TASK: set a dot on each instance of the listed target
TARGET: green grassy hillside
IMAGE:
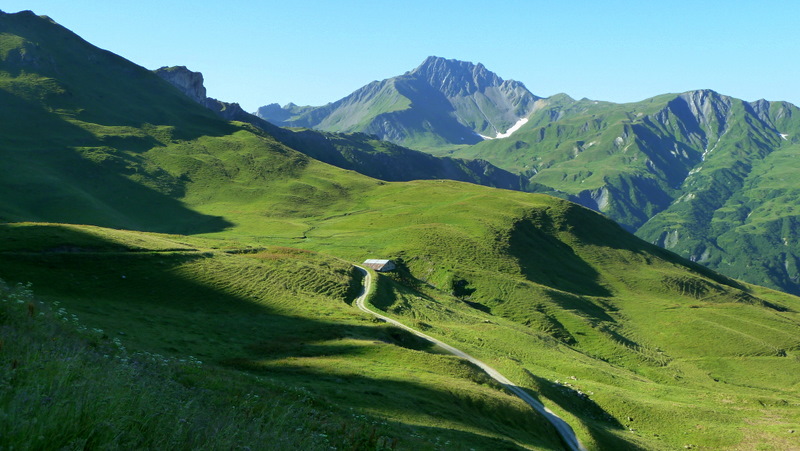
(528, 292)
(547, 291)
(277, 313)
(699, 173)
(635, 347)
(71, 140)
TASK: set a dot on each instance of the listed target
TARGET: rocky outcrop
(190, 83)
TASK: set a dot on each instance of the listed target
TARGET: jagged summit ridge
(441, 102)
(708, 107)
(453, 77)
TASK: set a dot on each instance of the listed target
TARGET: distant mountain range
(700, 173)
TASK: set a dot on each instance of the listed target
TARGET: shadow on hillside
(675, 168)
(302, 341)
(389, 162)
(427, 98)
(53, 182)
(600, 423)
(546, 260)
(152, 302)
(395, 289)
(52, 238)
(575, 303)
(592, 228)
(420, 402)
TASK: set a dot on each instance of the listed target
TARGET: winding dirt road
(567, 434)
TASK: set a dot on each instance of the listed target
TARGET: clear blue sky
(313, 52)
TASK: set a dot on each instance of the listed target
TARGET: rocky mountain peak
(762, 109)
(442, 100)
(706, 107)
(769, 112)
(453, 77)
(703, 96)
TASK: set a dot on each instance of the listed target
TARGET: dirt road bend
(567, 434)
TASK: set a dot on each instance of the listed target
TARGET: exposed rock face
(708, 107)
(190, 83)
(596, 199)
(455, 78)
(228, 111)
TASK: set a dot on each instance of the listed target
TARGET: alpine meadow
(177, 273)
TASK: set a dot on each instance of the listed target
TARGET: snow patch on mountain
(508, 132)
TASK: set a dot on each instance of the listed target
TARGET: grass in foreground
(275, 317)
(67, 386)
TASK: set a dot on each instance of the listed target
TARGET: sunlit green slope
(549, 291)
